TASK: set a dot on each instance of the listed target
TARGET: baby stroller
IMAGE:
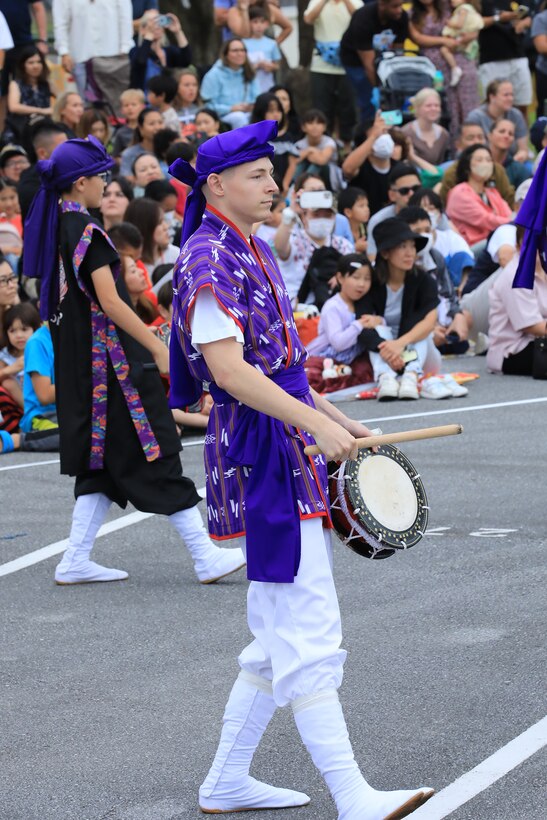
(403, 76)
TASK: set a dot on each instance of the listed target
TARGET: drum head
(388, 495)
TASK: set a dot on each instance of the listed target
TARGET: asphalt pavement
(112, 695)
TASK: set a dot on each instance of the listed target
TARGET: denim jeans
(363, 91)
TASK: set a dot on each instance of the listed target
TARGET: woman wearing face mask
(475, 207)
(370, 162)
(302, 231)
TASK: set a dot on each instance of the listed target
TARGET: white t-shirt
(504, 235)
(6, 40)
(210, 323)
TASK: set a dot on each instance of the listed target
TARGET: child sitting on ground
(353, 204)
(318, 152)
(161, 91)
(20, 322)
(466, 19)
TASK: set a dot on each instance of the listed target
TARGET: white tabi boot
(211, 563)
(322, 727)
(228, 787)
(75, 566)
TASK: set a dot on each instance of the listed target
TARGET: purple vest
(248, 286)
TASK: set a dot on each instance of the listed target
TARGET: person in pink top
(517, 317)
(474, 206)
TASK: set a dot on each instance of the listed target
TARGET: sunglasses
(407, 189)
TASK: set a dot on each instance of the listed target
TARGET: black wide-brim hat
(392, 232)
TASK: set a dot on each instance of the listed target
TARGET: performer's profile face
(248, 189)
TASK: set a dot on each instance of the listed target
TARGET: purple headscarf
(216, 155)
(68, 162)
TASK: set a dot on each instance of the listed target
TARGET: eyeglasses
(17, 163)
(7, 280)
(407, 189)
(105, 177)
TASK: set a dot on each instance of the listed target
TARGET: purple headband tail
(68, 162)
(532, 215)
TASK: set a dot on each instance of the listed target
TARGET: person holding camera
(154, 54)
(308, 224)
(86, 31)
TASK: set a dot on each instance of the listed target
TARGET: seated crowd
(396, 225)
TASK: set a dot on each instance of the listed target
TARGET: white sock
(88, 515)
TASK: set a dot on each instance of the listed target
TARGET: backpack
(322, 267)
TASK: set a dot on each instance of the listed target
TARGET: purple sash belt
(271, 509)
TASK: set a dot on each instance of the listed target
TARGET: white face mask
(435, 218)
(383, 147)
(321, 227)
(483, 169)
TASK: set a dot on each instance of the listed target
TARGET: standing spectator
(162, 90)
(263, 51)
(86, 32)
(29, 93)
(6, 41)
(465, 20)
(539, 36)
(153, 54)
(429, 139)
(330, 88)
(221, 10)
(370, 162)
(229, 87)
(473, 205)
(428, 18)
(68, 111)
(499, 103)
(149, 122)
(517, 317)
(131, 103)
(238, 18)
(140, 7)
(500, 140)
(379, 26)
(17, 14)
(502, 49)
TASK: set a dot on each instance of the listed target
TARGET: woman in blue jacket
(229, 87)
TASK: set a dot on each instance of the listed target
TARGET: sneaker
(482, 344)
(455, 76)
(433, 388)
(408, 389)
(458, 390)
(388, 387)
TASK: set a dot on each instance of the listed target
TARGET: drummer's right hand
(335, 442)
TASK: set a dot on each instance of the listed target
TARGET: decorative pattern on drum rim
(394, 538)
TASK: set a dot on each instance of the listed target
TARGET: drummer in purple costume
(117, 435)
(234, 327)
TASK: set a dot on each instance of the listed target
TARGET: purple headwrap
(532, 215)
(68, 162)
(216, 155)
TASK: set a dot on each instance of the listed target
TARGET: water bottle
(438, 81)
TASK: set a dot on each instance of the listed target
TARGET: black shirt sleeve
(99, 254)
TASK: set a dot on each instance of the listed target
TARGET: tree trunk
(198, 25)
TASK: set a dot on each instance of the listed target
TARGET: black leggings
(520, 364)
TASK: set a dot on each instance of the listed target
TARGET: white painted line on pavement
(199, 442)
(469, 785)
(29, 464)
(59, 546)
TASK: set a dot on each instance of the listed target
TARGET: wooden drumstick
(395, 438)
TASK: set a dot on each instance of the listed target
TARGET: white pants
(428, 361)
(296, 627)
(478, 304)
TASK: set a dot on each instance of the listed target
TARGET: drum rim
(398, 539)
